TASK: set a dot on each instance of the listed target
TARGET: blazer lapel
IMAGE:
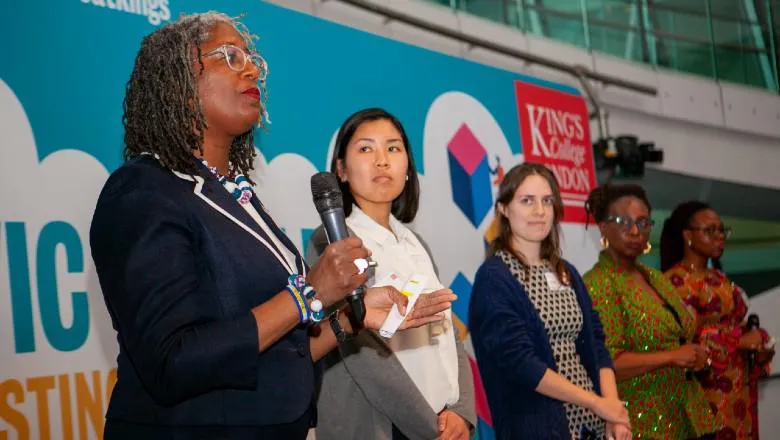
(208, 189)
(214, 191)
(299, 263)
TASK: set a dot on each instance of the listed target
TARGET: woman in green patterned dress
(648, 328)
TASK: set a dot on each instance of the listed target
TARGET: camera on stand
(625, 156)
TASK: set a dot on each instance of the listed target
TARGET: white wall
(706, 129)
(769, 390)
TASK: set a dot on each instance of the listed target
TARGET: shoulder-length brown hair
(551, 245)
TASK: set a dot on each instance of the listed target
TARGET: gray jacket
(365, 389)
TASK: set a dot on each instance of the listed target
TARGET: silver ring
(362, 264)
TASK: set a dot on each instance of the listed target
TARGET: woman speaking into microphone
(218, 317)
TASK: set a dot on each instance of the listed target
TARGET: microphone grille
(326, 192)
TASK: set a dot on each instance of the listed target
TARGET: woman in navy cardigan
(538, 342)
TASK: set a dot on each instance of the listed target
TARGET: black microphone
(752, 324)
(327, 199)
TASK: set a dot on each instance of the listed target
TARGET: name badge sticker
(552, 281)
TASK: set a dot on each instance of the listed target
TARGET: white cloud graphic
(456, 245)
(283, 187)
(63, 187)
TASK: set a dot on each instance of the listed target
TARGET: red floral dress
(721, 309)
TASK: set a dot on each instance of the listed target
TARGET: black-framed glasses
(643, 224)
(712, 230)
(236, 59)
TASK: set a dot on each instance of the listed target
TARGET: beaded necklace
(238, 186)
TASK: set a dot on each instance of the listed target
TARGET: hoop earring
(604, 243)
(647, 248)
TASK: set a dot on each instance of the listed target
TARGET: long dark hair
(672, 241)
(162, 109)
(404, 206)
(551, 245)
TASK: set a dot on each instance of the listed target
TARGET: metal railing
(726, 40)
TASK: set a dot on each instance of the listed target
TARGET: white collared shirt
(428, 354)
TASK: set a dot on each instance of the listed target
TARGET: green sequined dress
(663, 404)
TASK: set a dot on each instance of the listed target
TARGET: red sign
(555, 131)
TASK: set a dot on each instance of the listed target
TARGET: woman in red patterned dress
(692, 237)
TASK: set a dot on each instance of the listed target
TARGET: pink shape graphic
(479, 394)
(466, 149)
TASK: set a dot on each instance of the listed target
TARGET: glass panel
(617, 28)
(560, 20)
(495, 10)
(514, 14)
(623, 43)
(737, 54)
(775, 9)
(675, 34)
(439, 2)
(771, 14)
(682, 37)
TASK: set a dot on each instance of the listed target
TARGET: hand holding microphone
(342, 270)
(335, 275)
(330, 205)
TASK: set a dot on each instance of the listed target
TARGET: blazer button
(302, 350)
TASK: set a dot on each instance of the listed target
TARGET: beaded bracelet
(302, 293)
(300, 303)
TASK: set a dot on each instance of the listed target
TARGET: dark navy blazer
(513, 353)
(181, 266)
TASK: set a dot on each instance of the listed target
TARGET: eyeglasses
(712, 230)
(236, 59)
(643, 224)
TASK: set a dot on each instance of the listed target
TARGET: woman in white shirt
(417, 384)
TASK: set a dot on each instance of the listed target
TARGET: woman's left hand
(453, 427)
(703, 359)
(617, 431)
(428, 308)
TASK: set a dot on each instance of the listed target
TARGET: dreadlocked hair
(601, 198)
(672, 241)
(162, 110)
(551, 245)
